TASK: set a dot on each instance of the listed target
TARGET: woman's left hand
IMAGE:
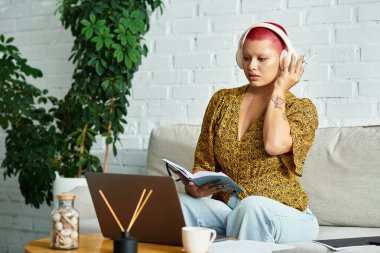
(289, 74)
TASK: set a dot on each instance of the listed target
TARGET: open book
(204, 177)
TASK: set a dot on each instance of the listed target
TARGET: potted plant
(107, 51)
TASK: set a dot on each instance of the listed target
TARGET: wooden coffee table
(96, 243)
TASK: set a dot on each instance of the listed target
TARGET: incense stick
(136, 212)
(111, 210)
(137, 207)
(134, 218)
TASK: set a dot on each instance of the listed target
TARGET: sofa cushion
(342, 174)
(176, 143)
(332, 232)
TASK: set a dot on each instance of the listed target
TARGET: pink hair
(262, 33)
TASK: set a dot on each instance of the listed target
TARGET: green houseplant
(31, 135)
(107, 51)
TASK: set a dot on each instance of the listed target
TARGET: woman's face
(261, 62)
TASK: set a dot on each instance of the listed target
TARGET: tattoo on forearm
(278, 102)
(284, 116)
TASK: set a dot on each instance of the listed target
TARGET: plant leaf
(89, 32)
(134, 14)
(125, 13)
(131, 40)
(85, 22)
(108, 42)
(99, 44)
(105, 84)
(91, 136)
(98, 68)
(114, 149)
(127, 62)
(80, 139)
(119, 55)
(9, 40)
(92, 18)
(81, 162)
(123, 39)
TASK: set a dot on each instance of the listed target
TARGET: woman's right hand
(199, 191)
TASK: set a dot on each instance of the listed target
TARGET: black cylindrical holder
(125, 244)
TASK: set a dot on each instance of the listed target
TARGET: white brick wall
(330, 15)
(219, 7)
(192, 54)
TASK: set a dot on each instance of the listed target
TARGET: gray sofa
(341, 176)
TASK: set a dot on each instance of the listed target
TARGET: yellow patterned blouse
(245, 161)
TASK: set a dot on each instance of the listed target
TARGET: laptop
(160, 221)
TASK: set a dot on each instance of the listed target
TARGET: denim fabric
(233, 201)
(254, 218)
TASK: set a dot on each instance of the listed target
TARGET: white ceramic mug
(197, 239)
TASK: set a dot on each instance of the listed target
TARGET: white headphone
(285, 52)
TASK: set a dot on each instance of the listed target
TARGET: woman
(259, 135)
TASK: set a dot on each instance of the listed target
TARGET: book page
(177, 167)
(208, 173)
(203, 177)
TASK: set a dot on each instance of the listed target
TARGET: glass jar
(64, 223)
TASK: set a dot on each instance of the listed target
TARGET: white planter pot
(62, 184)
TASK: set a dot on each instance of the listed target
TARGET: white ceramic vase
(63, 184)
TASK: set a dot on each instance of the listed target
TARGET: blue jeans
(254, 218)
